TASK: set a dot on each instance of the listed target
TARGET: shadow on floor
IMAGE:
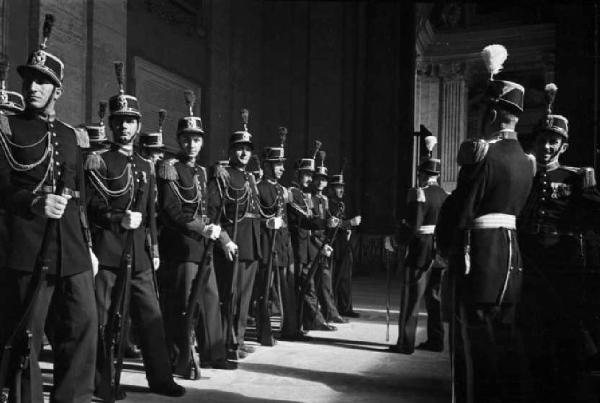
(351, 344)
(197, 395)
(359, 382)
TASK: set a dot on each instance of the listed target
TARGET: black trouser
(342, 280)
(487, 354)
(433, 304)
(240, 288)
(289, 291)
(325, 290)
(69, 301)
(146, 317)
(558, 316)
(180, 278)
(312, 316)
(414, 282)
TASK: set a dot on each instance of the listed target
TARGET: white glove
(231, 249)
(95, 262)
(355, 222)
(333, 222)
(387, 244)
(156, 262)
(131, 219)
(50, 205)
(211, 231)
(327, 250)
(274, 222)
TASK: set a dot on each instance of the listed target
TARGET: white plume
(430, 142)
(494, 57)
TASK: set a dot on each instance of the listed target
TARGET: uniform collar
(548, 167)
(505, 134)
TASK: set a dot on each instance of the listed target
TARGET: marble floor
(349, 365)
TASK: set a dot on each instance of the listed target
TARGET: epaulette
(81, 134)
(533, 162)
(472, 152)
(415, 195)
(167, 171)
(222, 174)
(588, 177)
(5, 126)
(94, 162)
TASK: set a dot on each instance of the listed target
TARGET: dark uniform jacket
(69, 248)
(272, 198)
(107, 212)
(498, 180)
(562, 208)
(182, 201)
(303, 222)
(238, 188)
(423, 206)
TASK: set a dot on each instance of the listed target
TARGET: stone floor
(350, 365)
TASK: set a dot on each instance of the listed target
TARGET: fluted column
(453, 120)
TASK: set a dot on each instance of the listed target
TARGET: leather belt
(548, 229)
(426, 230)
(70, 192)
(494, 221)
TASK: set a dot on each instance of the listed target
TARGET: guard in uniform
(182, 185)
(11, 102)
(423, 208)
(476, 230)
(44, 154)
(559, 306)
(302, 222)
(115, 186)
(237, 261)
(323, 280)
(275, 241)
(342, 261)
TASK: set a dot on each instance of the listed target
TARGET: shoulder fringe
(588, 177)
(166, 170)
(415, 195)
(94, 162)
(533, 162)
(83, 139)
(472, 152)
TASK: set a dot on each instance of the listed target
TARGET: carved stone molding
(452, 70)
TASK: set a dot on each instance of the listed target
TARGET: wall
(338, 72)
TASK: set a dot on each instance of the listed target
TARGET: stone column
(453, 120)
(427, 102)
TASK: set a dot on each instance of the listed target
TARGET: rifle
(20, 340)
(111, 337)
(388, 270)
(188, 364)
(311, 273)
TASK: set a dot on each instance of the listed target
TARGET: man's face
(124, 128)
(305, 179)
(190, 144)
(278, 170)
(156, 156)
(548, 147)
(39, 92)
(320, 183)
(240, 155)
(339, 191)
